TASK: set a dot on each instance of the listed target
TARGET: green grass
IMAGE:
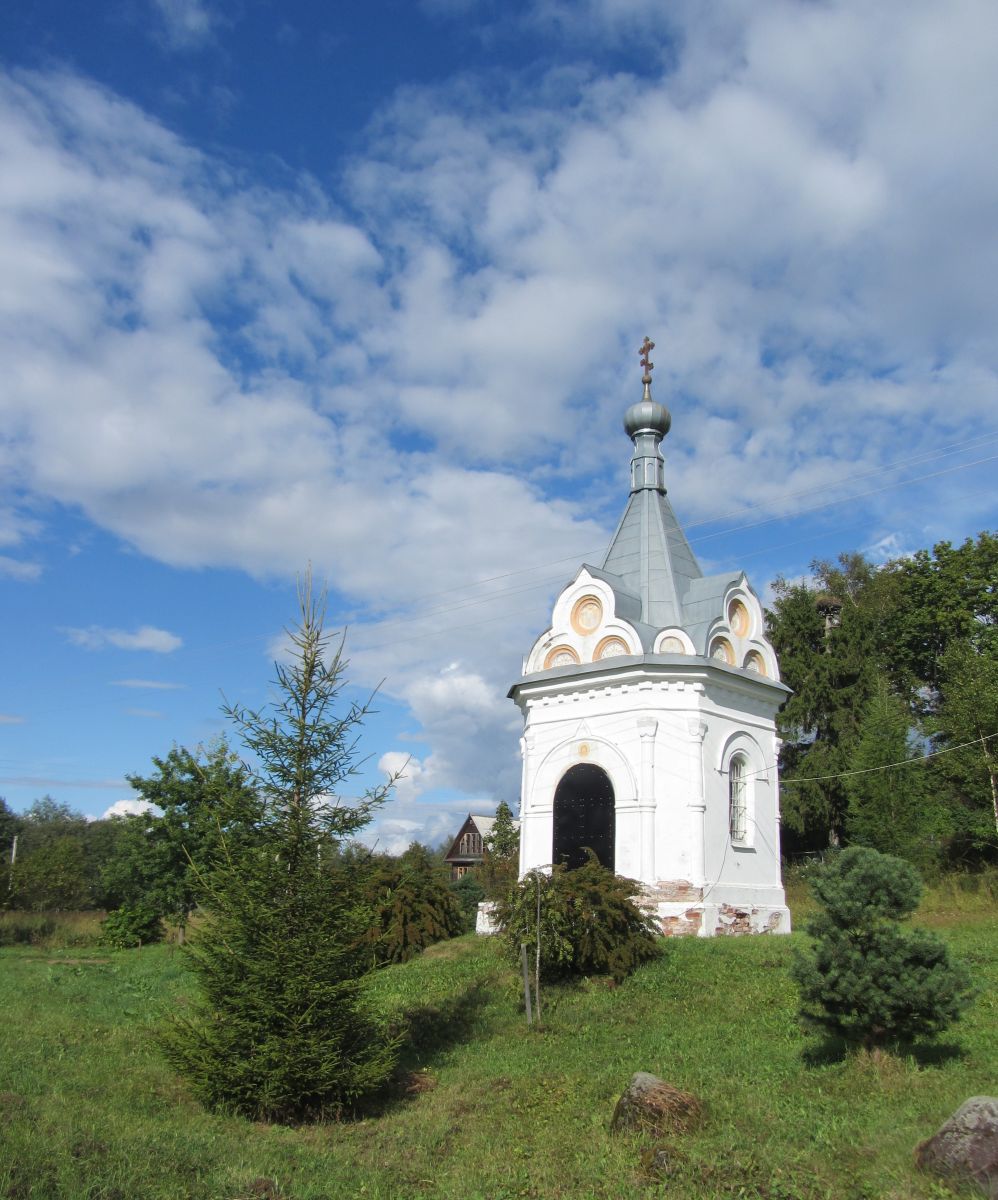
(484, 1107)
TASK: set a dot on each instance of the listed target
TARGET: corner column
(697, 806)
(647, 728)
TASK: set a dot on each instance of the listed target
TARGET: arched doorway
(583, 816)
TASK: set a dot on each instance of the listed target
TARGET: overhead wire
(503, 593)
(904, 762)
(925, 456)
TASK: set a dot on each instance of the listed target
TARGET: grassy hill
(485, 1108)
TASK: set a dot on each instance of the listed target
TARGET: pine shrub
(589, 922)
(869, 980)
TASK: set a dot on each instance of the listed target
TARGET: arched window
(737, 798)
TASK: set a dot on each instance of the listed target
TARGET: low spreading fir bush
(587, 919)
(869, 980)
(413, 906)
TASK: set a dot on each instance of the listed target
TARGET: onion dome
(647, 416)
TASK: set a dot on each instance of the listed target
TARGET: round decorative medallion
(672, 645)
(755, 662)
(560, 656)
(611, 647)
(721, 650)
(738, 618)
(587, 615)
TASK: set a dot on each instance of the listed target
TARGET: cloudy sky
(362, 285)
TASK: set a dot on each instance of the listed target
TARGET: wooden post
(526, 982)
(537, 966)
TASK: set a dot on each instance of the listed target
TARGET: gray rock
(650, 1105)
(966, 1146)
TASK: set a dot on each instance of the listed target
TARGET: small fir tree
(868, 980)
(281, 1031)
(469, 893)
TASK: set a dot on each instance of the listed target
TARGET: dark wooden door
(583, 816)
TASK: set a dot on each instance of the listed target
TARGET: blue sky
(363, 286)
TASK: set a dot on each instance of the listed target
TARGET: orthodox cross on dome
(646, 348)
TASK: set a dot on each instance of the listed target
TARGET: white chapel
(649, 720)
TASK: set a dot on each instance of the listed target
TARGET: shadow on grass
(829, 1051)
(428, 1031)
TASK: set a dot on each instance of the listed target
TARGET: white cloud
(19, 570)
(127, 808)
(185, 24)
(146, 637)
(797, 210)
(10, 719)
(410, 776)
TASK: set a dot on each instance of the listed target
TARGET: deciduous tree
(201, 799)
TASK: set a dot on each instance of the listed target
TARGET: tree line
(148, 870)
(890, 739)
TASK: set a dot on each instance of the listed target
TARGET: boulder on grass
(650, 1105)
(966, 1146)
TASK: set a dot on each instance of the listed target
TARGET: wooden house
(468, 847)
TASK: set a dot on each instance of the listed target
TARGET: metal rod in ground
(537, 965)
(526, 982)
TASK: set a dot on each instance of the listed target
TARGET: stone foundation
(679, 910)
(485, 923)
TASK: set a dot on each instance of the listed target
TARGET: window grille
(737, 808)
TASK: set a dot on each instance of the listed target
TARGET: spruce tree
(891, 807)
(869, 980)
(501, 861)
(281, 1031)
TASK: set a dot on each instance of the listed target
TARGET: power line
(925, 456)
(502, 593)
(904, 762)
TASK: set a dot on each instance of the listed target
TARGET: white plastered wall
(665, 744)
